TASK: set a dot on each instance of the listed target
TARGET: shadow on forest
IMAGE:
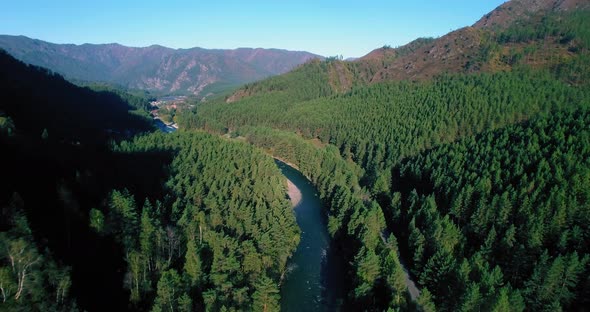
(57, 166)
(58, 184)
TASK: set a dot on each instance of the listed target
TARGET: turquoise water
(315, 278)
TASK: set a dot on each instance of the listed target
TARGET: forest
(476, 182)
(501, 216)
(188, 221)
(221, 238)
(54, 150)
(481, 178)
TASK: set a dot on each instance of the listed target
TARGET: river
(315, 278)
(314, 281)
(164, 127)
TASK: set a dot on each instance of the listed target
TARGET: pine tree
(192, 265)
(168, 291)
(266, 296)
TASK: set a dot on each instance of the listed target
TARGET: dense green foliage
(303, 83)
(480, 182)
(52, 137)
(377, 126)
(558, 42)
(570, 27)
(222, 236)
(380, 124)
(206, 226)
(504, 211)
(354, 221)
(140, 99)
(483, 177)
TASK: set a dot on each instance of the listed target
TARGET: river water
(315, 279)
(164, 127)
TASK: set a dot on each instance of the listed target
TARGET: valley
(164, 109)
(312, 277)
(447, 174)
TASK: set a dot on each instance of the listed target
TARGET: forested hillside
(39, 100)
(222, 235)
(480, 173)
(554, 38)
(501, 219)
(464, 160)
(188, 221)
(53, 137)
(380, 124)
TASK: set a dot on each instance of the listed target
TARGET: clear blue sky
(326, 27)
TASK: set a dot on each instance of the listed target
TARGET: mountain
(519, 11)
(536, 33)
(474, 156)
(86, 216)
(44, 101)
(471, 49)
(56, 136)
(162, 70)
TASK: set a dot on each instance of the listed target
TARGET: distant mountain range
(159, 69)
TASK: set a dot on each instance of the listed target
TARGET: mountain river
(315, 273)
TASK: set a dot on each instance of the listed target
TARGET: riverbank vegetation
(480, 182)
(187, 220)
(355, 221)
(382, 126)
(221, 237)
(480, 177)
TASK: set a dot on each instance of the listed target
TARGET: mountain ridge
(197, 71)
(509, 103)
(455, 51)
(512, 11)
(518, 32)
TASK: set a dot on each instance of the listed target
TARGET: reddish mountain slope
(461, 50)
(515, 10)
(487, 46)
